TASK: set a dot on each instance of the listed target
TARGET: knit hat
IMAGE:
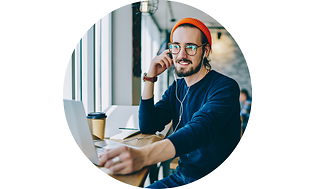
(196, 23)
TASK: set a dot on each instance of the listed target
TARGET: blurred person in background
(246, 103)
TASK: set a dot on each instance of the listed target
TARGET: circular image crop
(157, 94)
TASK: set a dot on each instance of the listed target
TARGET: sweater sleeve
(222, 103)
(152, 117)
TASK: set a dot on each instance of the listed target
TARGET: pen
(129, 128)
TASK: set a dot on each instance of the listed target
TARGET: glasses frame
(185, 48)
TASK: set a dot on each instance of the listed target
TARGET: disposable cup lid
(96, 115)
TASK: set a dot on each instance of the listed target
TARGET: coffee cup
(97, 122)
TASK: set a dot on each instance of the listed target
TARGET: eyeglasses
(190, 48)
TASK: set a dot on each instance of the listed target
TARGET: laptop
(81, 132)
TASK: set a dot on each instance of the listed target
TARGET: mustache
(183, 59)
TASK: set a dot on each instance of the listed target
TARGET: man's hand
(130, 160)
(160, 63)
(134, 159)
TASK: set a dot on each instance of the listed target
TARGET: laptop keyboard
(99, 150)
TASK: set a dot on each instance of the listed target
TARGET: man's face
(242, 97)
(186, 65)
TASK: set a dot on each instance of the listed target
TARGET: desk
(138, 178)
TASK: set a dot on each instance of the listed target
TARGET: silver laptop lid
(80, 128)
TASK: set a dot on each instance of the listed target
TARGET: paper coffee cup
(97, 122)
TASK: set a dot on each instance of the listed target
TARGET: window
(151, 41)
(88, 76)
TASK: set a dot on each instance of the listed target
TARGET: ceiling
(168, 10)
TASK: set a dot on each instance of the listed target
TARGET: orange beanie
(196, 23)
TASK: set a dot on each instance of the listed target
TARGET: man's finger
(121, 168)
(166, 51)
(112, 154)
(112, 162)
(168, 60)
(103, 153)
(162, 63)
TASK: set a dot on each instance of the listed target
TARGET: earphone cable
(181, 109)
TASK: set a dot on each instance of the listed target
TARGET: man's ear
(207, 50)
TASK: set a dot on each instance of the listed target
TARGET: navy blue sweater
(210, 127)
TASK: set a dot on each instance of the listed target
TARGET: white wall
(122, 56)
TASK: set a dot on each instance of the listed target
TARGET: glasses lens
(174, 48)
(191, 49)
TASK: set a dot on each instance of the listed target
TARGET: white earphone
(181, 109)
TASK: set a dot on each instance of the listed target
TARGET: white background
(36, 42)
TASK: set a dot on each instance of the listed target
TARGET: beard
(182, 73)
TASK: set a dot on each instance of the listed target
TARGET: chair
(166, 165)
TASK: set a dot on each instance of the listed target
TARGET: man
(203, 105)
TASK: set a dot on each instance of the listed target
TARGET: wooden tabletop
(138, 178)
